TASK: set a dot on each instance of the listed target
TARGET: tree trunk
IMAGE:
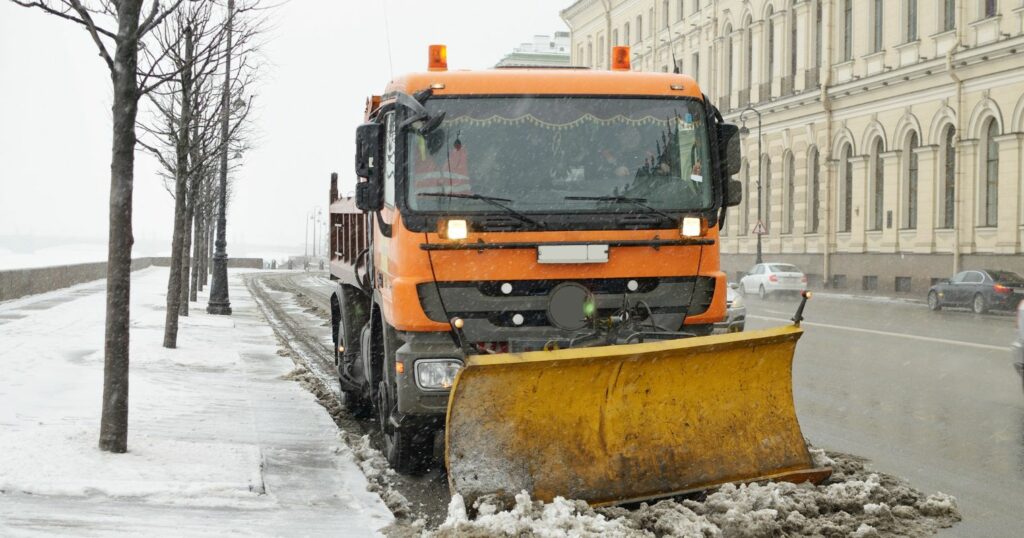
(114, 417)
(180, 201)
(197, 247)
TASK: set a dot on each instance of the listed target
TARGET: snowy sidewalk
(220, 443)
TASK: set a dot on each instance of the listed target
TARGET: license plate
(572, 254)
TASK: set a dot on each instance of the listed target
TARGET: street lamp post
(744, 131)
(219, 303)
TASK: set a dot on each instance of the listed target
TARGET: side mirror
(734, 286)
(368, 145)
(369, 196)
(369, 193)
(733, 193)
(729, 148)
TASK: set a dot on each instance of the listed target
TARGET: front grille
(486, 302)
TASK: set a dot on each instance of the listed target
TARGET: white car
(766, 279)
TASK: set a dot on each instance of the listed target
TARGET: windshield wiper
(493, 200)
(639, 202)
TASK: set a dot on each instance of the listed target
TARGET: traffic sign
(759, 228)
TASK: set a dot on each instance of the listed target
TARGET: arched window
(650, 22)
(749, 57)
(590, 55)
(847, 47)
(696, 6)
(745, 214)
(600, 53)
(727, 83)
(846, 222)
(615, 37)
(664, 14)
(767, 190)
(679, 10)
(878, 185)
(948, 177)
(789, 193)
(910, 205)
(770, 46)
(814, 186)
(639, 28)
(625, 34)
(911, 26)
(991, 174)
(580, 56)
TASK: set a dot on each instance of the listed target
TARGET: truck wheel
(355, 401)
(408, 451)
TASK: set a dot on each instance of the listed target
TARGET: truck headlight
(436, 374)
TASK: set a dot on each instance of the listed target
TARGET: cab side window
(389, 159)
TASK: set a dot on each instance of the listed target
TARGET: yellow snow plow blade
(626, 423)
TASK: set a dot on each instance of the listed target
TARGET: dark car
(980, 290)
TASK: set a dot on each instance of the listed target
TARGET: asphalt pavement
(931, 397)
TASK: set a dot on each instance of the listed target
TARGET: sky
(322, 59)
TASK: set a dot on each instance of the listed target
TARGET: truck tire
(408, 451)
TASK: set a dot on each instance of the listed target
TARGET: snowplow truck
(529, 265)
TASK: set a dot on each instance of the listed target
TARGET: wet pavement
(931, 397)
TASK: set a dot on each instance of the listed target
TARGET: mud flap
(620, 424)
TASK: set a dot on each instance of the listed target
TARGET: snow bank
(854, 502)
(216, 437)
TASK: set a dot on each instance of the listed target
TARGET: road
(928, 396)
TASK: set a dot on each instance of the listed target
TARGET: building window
(948, 178)
(600, 52)
(910, 210)
(790, 193)
(650, 22)
(696, 6)
(639, 28)
(847, 214)
(878, 12)
(948, 15)
(989, 8)
(615, 38)
(727, 86)
(580, 56)
(878, 190)
(911, 20)
(770, 47)
(817, 33)
(792, 42)
(767, 175)
(815, 186)
(847, 30)
(664, 16)
(991, 174)
(749, 58)
(625, 34)
(590, 55)
(695, 65)
(679, 10)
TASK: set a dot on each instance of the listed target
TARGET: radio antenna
(387, 36)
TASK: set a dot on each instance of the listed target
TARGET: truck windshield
(562, 154)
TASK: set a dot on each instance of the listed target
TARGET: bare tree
(121, 25)
(184, 132)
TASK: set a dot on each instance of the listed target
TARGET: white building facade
(543, 51)
(892, 137)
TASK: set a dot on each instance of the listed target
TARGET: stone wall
(16, 283)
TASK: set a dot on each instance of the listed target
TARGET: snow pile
(854, 502)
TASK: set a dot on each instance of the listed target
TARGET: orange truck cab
(521, 209)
